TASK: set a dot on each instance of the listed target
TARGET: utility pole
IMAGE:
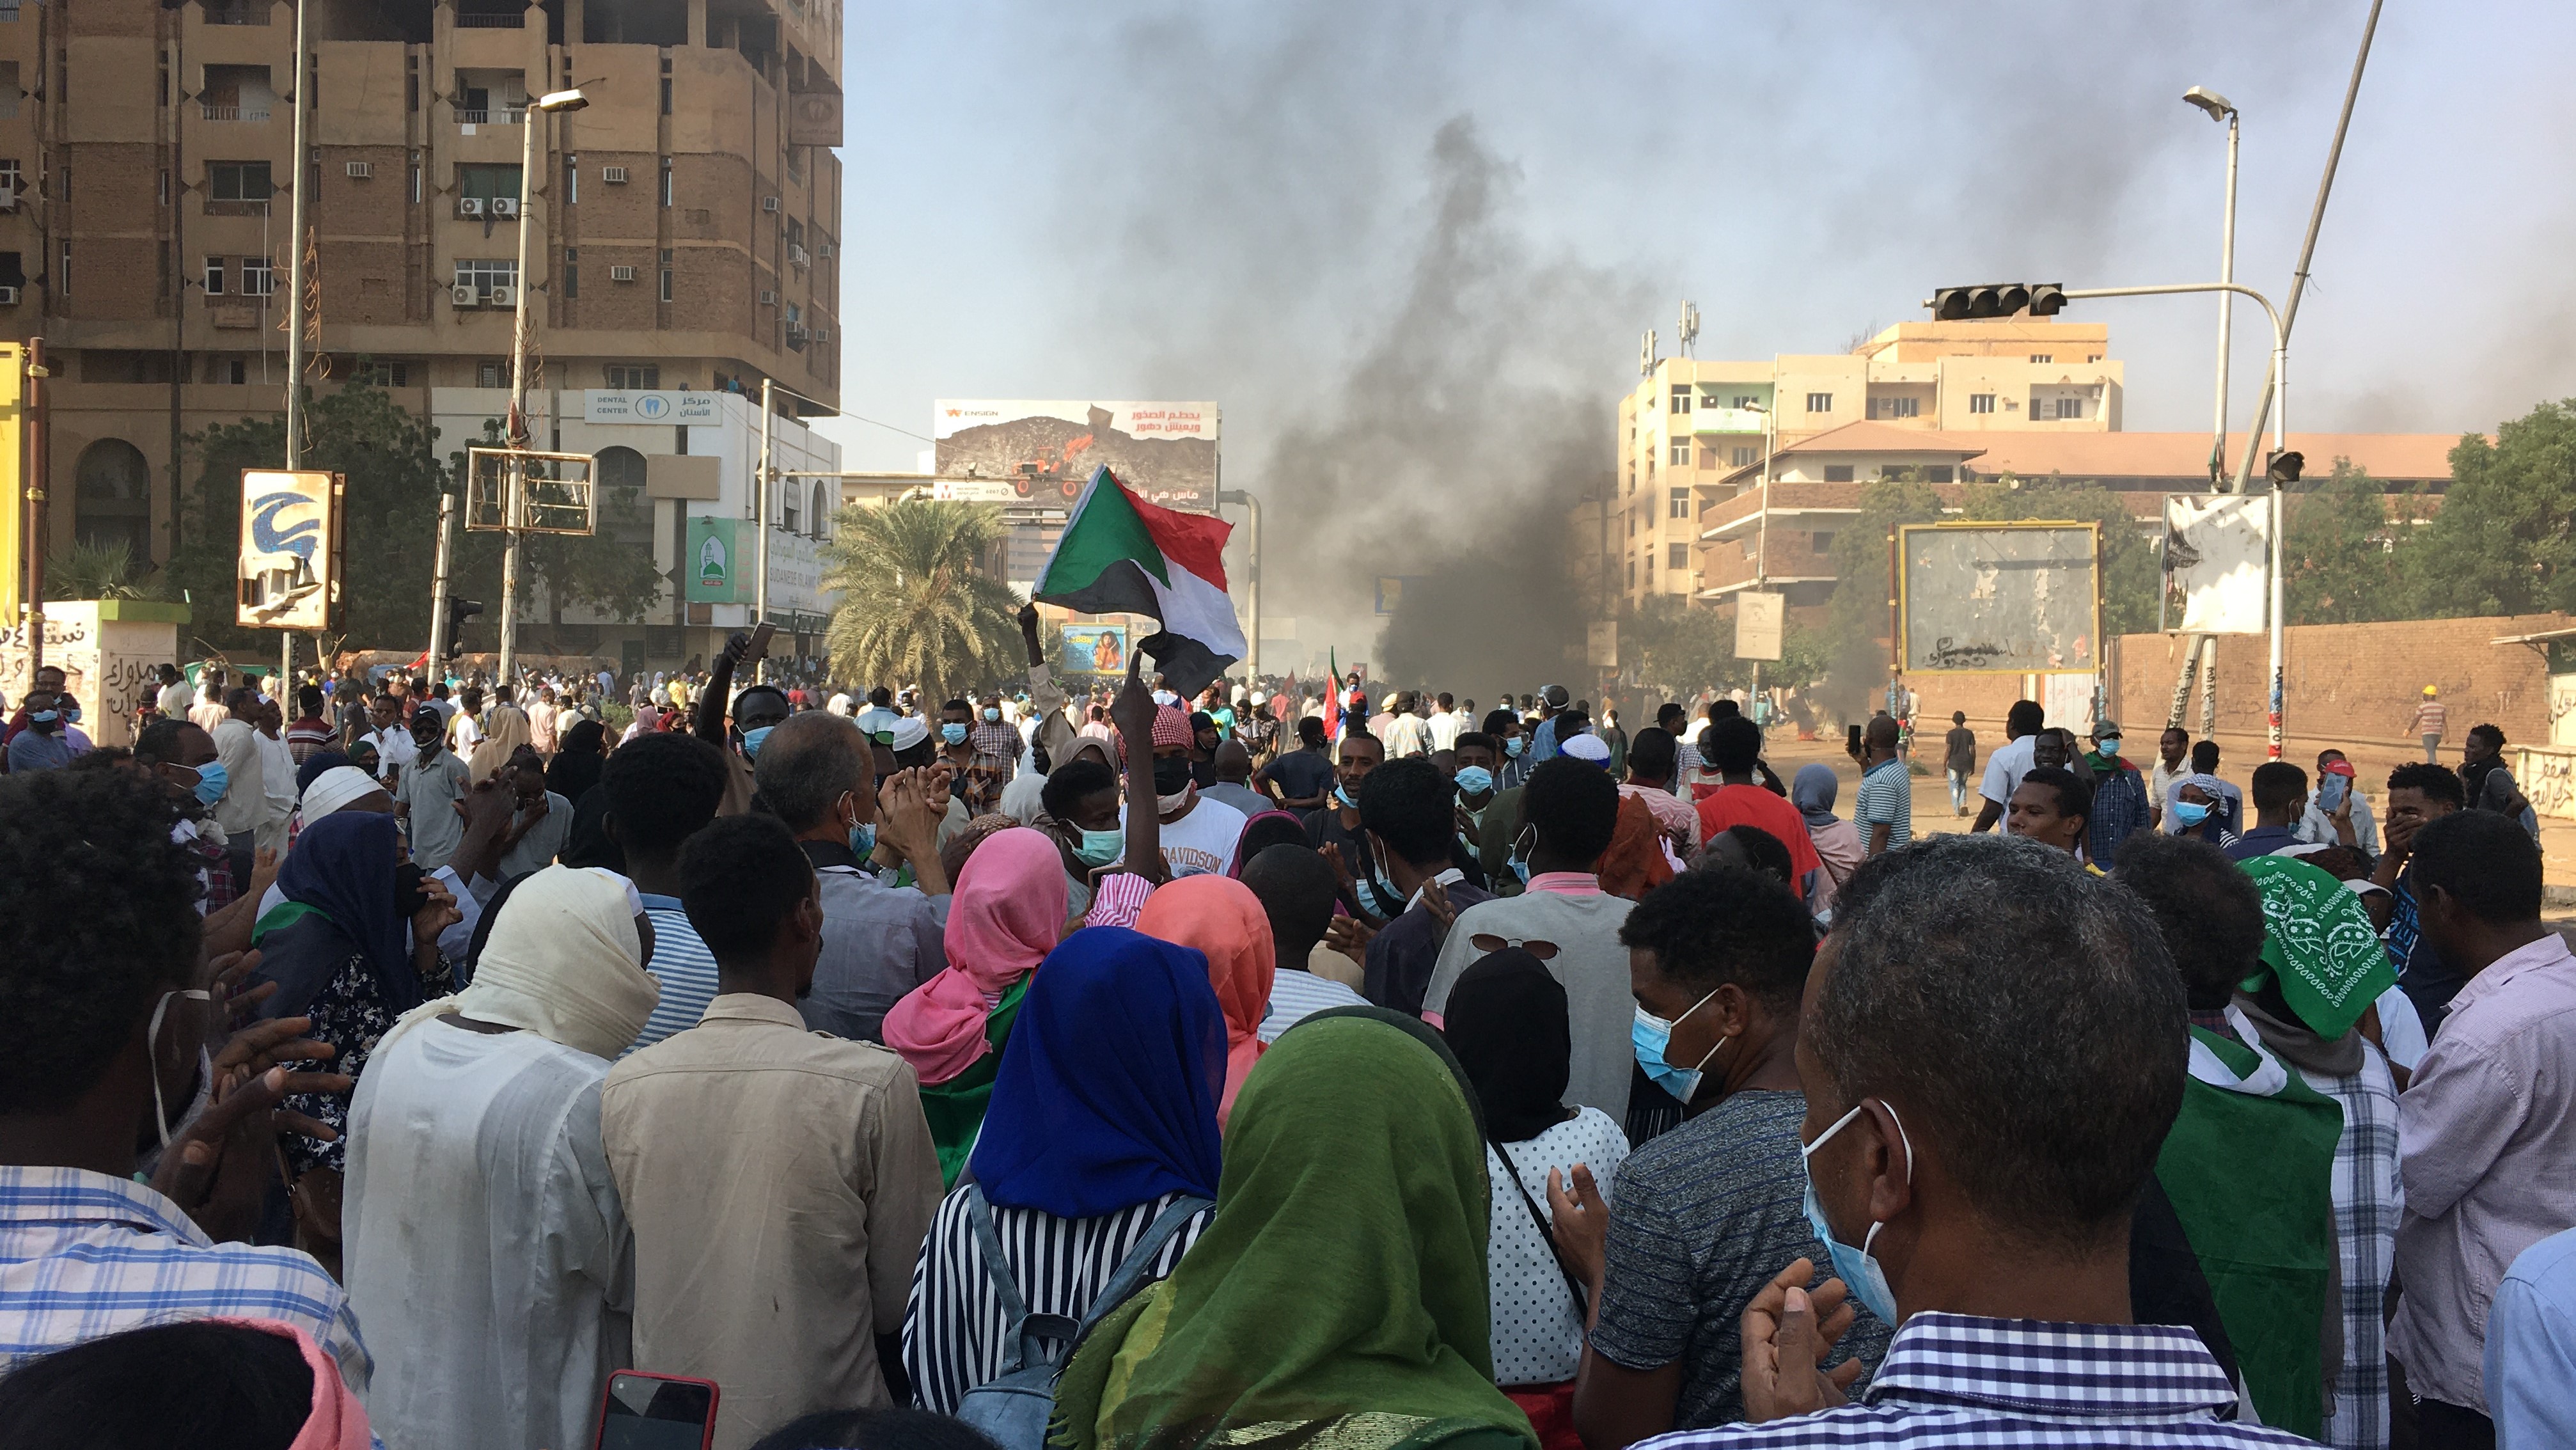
(439, 644)
(765, 482)
(514, 480)
(296, 281)
(40, 451)
(1253, 578)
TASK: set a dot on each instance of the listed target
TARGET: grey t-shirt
(430, 791)
(1700, 1219)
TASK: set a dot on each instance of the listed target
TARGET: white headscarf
(564, 961)
(335, 789)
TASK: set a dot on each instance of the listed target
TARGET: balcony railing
(214, 112)
(497, 117)
(235, 15)
(514, 20)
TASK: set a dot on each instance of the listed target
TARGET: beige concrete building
(1691, 426)
(689, 216)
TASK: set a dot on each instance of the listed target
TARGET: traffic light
(2284, 467)
(458, 611)
(1998, 299)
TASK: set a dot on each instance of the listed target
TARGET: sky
(1409, 249)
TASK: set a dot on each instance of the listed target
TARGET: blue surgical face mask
(863, 840)
(1474, 780)
(212, 780)
(1514, 746)
(2191, 813)
(2107, 747)
(1099, 848)
(1854, 1266)
(1650, 1035)
(953, 733)
(1526, 842)
(1342, 794)
(1374, 902)
(992, 712)
(71, 712)
(751, 739)
(43, 717)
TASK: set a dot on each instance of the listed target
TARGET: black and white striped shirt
(955, 1334)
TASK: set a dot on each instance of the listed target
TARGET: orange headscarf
(1223, 919)
(1635, 864)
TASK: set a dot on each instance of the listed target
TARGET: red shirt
(1751, 805)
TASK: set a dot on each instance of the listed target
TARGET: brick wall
(2360, 681)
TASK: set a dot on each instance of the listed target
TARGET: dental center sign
(649, 409)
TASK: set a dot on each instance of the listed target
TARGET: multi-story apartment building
(688, 226)
(1691, 426)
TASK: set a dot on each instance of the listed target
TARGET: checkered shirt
(2368, 1201)
(1952, 1380)
(84, 1255)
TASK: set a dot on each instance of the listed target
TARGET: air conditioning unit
(796, 256)
(796, 332)
(472, 206)
(769, 203)
(8, 198)
(505, 206)
(361, 170)
(8, 296)
(613, 175)
(822, 334)
(621, 274)
(464, 295)
(505, 296)
(768, 298)
(824, 250)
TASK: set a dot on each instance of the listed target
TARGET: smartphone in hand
(644, 1411)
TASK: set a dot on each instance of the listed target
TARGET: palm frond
(916, 607)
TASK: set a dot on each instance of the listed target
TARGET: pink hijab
(1221, 917)
(1009, 906)
(337, 1421)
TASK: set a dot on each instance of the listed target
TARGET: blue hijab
(343, 867)
(1107, 1092)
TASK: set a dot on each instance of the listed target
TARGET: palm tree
(101, 571)
(915, 607)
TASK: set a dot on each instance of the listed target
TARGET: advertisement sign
(1093, 649)
(973, 490)
(288, 574)
(649, 409)
(1390, 591)
(1759, 621)
(1166, 453)
(814, 119)
(1601, 643)
(2000, 598)
(2216, 549)
(718, 572)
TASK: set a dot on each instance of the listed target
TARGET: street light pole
(514, 479)
(1252, 504)
(296, 282)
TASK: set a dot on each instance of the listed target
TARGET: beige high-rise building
(1690, 426)
(688, 233)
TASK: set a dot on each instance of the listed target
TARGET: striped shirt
(1952, 1380)
(2431, 718)
(683, 965)
(2368, 1200)
(954, 1327)
(84, 1255)
(1296, 995)
(1886, 799)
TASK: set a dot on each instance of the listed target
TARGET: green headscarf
(2319, 944)
(1342, 1278)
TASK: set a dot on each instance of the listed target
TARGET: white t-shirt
(464, 732)
(1537, 1335)
(2005, 768)
(1446, 727)
(1201, 843)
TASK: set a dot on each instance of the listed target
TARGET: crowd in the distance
(1239, 1067)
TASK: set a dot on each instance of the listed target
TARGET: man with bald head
(817, 774)
(1234, 780)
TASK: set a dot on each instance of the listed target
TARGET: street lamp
(2219, 109)
(515, 485)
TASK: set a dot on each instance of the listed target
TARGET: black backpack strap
(1546, 1234)
(1138, 1266)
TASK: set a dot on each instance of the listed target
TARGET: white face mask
(152, 1045)
(1168, 804)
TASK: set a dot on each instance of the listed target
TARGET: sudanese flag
(1122, 555)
